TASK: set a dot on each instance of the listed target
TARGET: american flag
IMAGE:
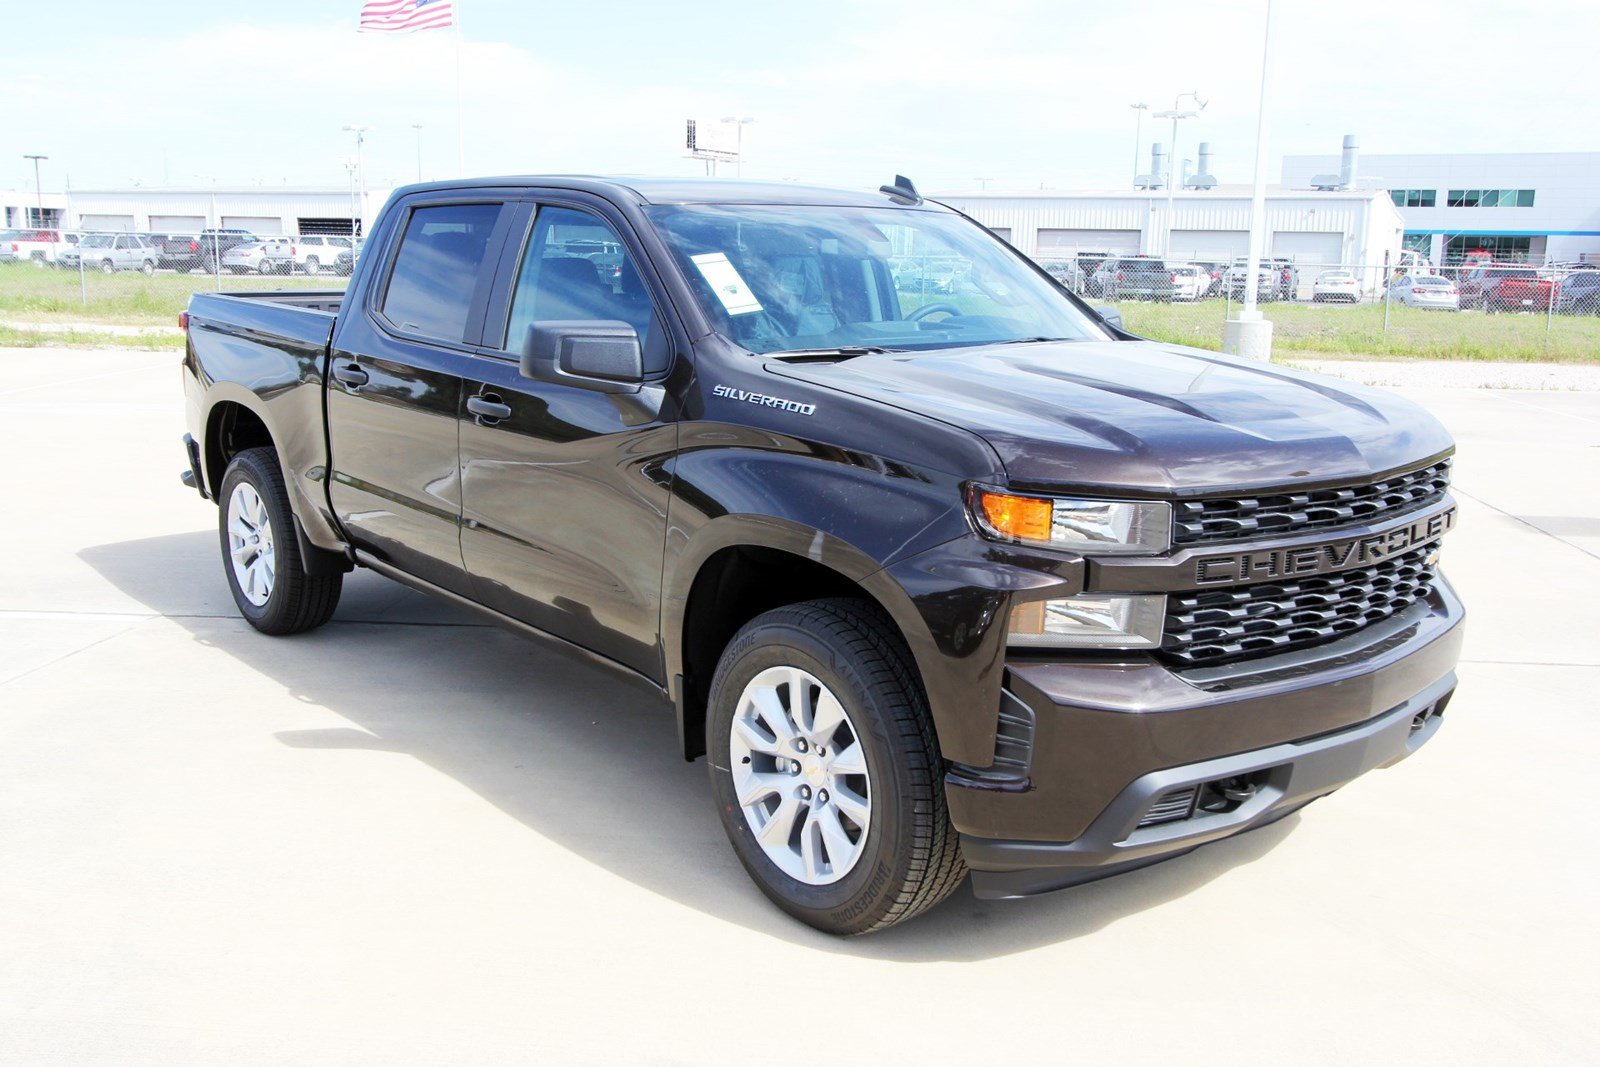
(403, 16)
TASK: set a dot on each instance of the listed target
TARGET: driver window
(575, 267)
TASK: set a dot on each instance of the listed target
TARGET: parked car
(180, 251)
(1021, 596)
(110, 252)
(1136, 278)
(1336, 286)
(344, 263)
(1285, 277)
(1431, 291)
(314, 252)
(1189, 282)
(1579, 294)
(1267, 282)
(1215, 272)
(39, 247)
(213, 243)
(1066, 273)
(1506, 288)
(263, 255)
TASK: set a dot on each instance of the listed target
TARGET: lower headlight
(1090, 620)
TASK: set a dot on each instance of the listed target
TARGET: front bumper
(1107, 742)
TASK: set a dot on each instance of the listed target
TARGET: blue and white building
(1535, 207)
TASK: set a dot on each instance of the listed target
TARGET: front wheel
(260, 554)
(825, 768)
(147, 268)
(107, 267)
(312, 265)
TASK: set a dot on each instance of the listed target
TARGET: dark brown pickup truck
(948, 581)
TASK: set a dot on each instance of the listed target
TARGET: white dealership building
(1537, 207)
(1314, 228)
(259, 209)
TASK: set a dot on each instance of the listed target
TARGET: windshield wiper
(1032, 340)
(829, 355)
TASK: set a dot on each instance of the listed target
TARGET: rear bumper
(1109, 742)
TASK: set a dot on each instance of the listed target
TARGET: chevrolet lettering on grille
(1267, 564)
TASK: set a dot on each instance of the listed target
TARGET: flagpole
(461, 111)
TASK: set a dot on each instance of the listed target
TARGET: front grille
(1231, 518)
(1216, 626)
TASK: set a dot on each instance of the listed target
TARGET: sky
(1004, 93)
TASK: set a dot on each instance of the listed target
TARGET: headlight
(1089, 620)
(1102, 527)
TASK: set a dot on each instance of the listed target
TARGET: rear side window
(435, 271)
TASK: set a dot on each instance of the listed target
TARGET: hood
(1145, 416)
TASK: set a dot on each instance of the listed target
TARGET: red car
(1506, 288)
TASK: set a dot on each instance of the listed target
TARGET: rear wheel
(147, 268)
(260, 554)
(825, 769)
(107, 267)
(313, 265)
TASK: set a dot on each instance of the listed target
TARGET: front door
(395, 389)
(564, 497)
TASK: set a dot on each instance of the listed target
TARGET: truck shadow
(580, 756)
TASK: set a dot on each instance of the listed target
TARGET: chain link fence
(1405, 306)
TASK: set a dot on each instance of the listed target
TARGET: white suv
(111, 252)
(315, 252)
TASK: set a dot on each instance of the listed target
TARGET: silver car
(110, 252)
(1425, 291)
(264, 255)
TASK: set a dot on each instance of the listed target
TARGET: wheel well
(231, 429)
(733, 587)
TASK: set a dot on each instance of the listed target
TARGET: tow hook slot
(1229, 794)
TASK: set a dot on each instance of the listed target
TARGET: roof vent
(1347, 168)
(1202, 178)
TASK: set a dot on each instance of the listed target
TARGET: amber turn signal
(1024, 518)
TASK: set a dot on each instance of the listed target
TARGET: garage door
(1209, 245)
(253, 223)
(1061, 244)
(1002, 232)
(1308, 249)
(177, 223)
(103, 223)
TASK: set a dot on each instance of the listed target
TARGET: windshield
(96, 242)
(785, 278)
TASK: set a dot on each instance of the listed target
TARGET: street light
(1138, 128)
(361, 137)
(1172, 158)
(738, 145)
(37, 194)
(418, 127)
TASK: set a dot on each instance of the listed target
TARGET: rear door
(394, 389)
(564, 490)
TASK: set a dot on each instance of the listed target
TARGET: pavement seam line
(1525, 522)
(1540, 407)
(68, 655)
(75, 381)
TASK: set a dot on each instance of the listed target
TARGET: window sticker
(725, 281)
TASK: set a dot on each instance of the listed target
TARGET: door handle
(350, 374)
(488, 408)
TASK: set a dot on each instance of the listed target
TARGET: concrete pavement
(412, 838)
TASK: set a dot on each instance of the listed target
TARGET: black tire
(297, 601)
(912, 858)
(313, 266)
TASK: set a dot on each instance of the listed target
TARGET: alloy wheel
(800, 775)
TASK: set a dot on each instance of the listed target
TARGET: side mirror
(1109, 315)
(598, 354)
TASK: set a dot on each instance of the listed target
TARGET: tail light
(1174, 279)
(1119, 275)
(14, 247)
(194, 246)
(183, 320)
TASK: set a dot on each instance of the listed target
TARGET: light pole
(38, 197)
(1138, 130)
(1249, 333)
(738, 144)
(418, 127)
(361, 137)
(1172, 157)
